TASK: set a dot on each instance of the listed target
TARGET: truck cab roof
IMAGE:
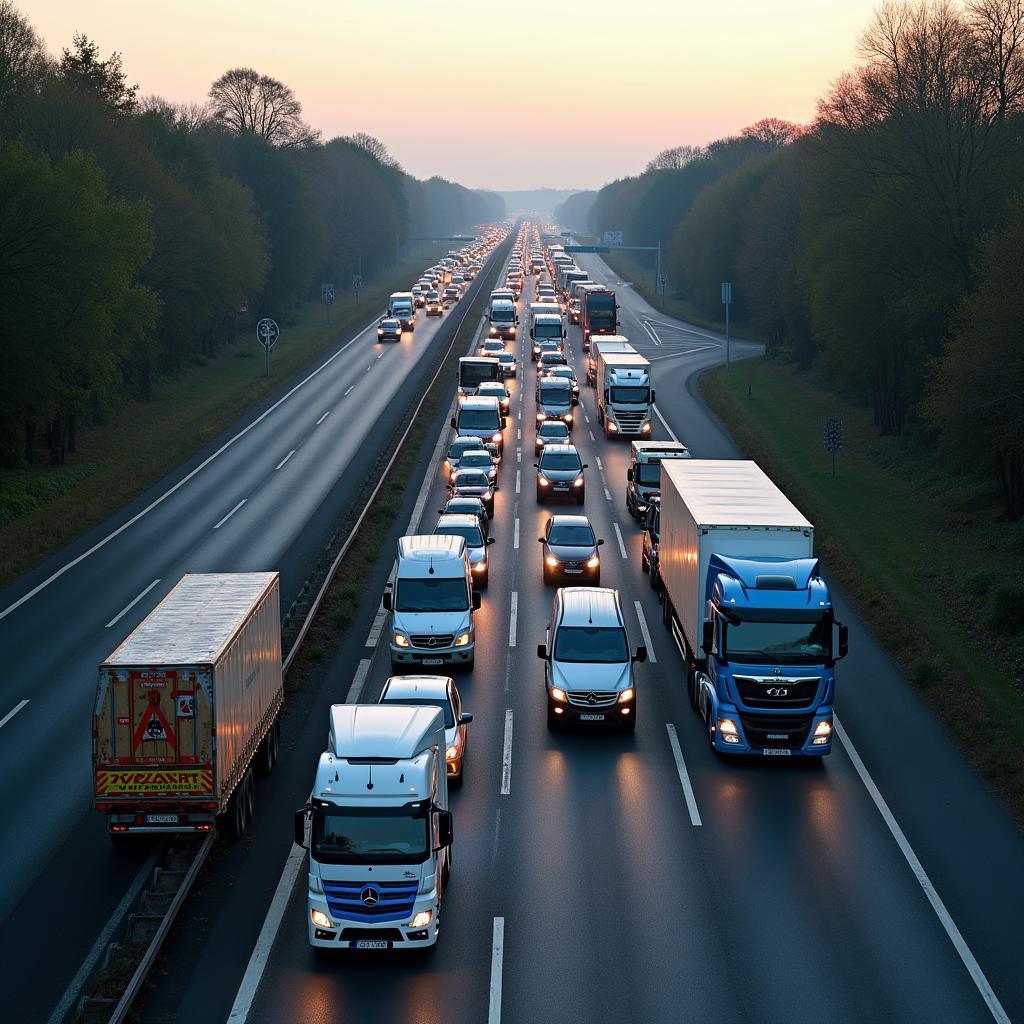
(743, 583)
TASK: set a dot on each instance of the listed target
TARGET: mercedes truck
(625, 395)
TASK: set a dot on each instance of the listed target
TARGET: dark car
(550, 432)
(560, 473)
(570, 551)
(467, 507)
(480, 458)
(389, 329)
(649, 548)
(474, 483)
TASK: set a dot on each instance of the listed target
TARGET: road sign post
(833, 439)
(327, 298)
(267, 333)
(727, 302)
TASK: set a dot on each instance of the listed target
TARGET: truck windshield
(502, 316)
(432, 595)
(627, 395)
(779, 641)
(547, 331)
(601, 310)
(472, 375)
(649, 474)
(384, 835)
(603, 644)
(478, 419)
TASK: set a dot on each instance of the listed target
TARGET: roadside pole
(267, 333)
(727, 302)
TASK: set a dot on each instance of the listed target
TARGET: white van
(480, 417)
(432, 603)
(503, 320)
(402, 306)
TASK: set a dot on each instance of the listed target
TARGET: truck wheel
(691, 684)
(266, 756)
(655, 577)
(250, 798)
(235, 817)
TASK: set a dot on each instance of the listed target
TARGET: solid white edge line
(497, 961)
(231, 513)
(645, 633)
(622, 544)
(515, 534)
(664, 423)
(250, 984)
(355, 691)
(512, 616)
(322, 418)
(377, 628)
(10, 714)
(129, 606)
(284, 460)
(684, 775)
(945, 918)
(506, 756)
(181, 483)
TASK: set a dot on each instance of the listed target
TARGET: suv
(570, 550)
(588, 670)
(469, 529)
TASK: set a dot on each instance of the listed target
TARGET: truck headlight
(627, 695)
(557, 693)
(823, 732)
(462, 640)
(422, 919)
(612, 426)
(496, 437)
(727, 727)
(320, 919)
(646, 428)
(401, 640)
(541, 416)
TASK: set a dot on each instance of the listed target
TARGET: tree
(23, 60)
(372, 145)
(82, 70)
(246, 102)
(772, 132)
(674, 159)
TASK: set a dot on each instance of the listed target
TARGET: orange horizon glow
(504, 97)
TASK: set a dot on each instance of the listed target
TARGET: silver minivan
(588, 668)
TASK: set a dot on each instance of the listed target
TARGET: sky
(506, 96)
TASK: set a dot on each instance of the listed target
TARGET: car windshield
(560, 461)
(649, 473)
(476, 460)
(471, 478)
(432, 595)
(459, 448)
(779, 641)
(379, 835)
(626, 395)
(478, 419)
(470, 534)
(553, 395)
(465, 506)
(601, 644)
(577, 535)
(555, 429)
(505, 357)
(424, 702)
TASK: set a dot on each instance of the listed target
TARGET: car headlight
(626, 695)
(552, 562)
(480, 566)
(541, 416)
(543, 480)
(593, 562)
(401, 640)
(452, 752)
(578, 482)
(567, 417)
(320, 919)
(422, 919)
(496, 437)
(557, 694)
(462, 640)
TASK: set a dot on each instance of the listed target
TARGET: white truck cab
(380, 830)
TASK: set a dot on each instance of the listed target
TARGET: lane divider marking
(231, 513)
(618, 537)
(10, 714)
(506, 756)
(645, 633)
(131, 604)
(497, 960)
(684, 775)
(355, 691)
(512, 617)
(284, 460)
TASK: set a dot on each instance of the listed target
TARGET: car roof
(589, 606)
(483, 402)
(556, 449)
(565, 519)
(554, 423)
(456, 519)
(429, 687)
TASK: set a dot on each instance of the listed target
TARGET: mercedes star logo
(591, 698)
(431, 641)
(777, 691)
(370, 896)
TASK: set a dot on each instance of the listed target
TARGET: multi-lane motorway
(596, 877)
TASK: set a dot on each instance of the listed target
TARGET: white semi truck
(380, 831)
(625, 394)
(608, 344)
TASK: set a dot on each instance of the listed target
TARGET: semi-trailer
(608, 344)
(599, 313)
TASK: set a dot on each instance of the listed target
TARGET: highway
(618, 878)
(267, 494)
(596, 877)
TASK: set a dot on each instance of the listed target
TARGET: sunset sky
(516, 95)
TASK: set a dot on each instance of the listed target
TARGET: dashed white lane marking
(519, 455)
(349, 390)
(231, 513)
(515, 534)
(945, 919)
(684, 775)
(355, 691)
(506, 757)
(519, 481)
(135, 600)
(591, 433)
(322, 418)
(664, 423)
(17, 707)
(618, 537)
(607, 494)
(284, 460)
(645, 633)
(512, 617)
(497, 959)
(519, 433)
(597, 459)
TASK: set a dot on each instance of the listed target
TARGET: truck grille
(370, 901)
(592, 698)
(630, 422)
(776, 692)
(788, 731)
(432, 641)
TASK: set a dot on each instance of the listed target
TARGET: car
(459, 281)
(550, 432)
(441, 692)
(508, 363)
(469, 529)
(560, 474)
(434, 305)
(418, 297)
(492, 347)
(473, 483)
(452, 293)
(543, 345)
(467, 507)
(549, 358)
(456, 450)
(569, 550)
(389, 329)
(588, 669)
(480, 458)
(565, 372)
(574, 310)
(495, 389)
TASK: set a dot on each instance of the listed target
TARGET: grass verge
(44, 508)
(917, 547)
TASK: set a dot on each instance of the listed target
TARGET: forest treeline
(883, 243)
(137, 235)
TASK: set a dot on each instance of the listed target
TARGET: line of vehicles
(178, 729)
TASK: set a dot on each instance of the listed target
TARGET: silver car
(477, 542)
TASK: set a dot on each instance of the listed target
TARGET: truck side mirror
(652, 394)
(476, 600)
(600, 542)
(386, 600)
(465, 718)
(300, 827)
(844, 641)
(542, 652)
(709, 637)
(629, 474)
(491, 540)
(641, 653)
(532, 335)
(444, 829)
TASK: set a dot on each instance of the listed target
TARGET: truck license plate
(371, 944)
(433, 661)
(777, 751)
(162, 819)
(591, 718)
